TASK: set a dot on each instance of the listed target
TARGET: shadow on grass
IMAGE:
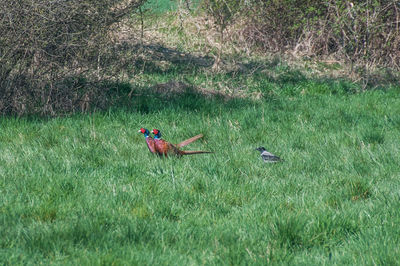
(239, 75)
(105, 95)
(156, 59)
(177, 96)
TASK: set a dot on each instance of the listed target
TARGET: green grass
(85, 190)
(162, 6)
(157, 6)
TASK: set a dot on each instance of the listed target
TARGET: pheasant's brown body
(149, 140)
(164, 148)
(150, 144)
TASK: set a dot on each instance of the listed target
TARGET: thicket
(55, 54)
(362, 33)
(47, 46)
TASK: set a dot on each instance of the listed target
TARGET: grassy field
(84, 189)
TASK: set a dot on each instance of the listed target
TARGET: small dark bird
(149, 139)
(267, 156)
(163, 148)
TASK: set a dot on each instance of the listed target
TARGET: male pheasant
(150, 140)
(163, 148)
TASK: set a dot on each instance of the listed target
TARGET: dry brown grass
(198, 36)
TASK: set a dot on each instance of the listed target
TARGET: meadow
(83, 189)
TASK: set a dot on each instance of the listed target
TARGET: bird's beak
(139, 131)
(152, 131)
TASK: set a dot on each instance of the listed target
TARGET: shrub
(42, 42)
(366, 32)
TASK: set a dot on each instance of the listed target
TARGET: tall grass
(85, 189)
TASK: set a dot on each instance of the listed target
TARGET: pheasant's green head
(157, 133)
(144, 131)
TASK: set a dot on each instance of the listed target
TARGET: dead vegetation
(43, 44)
(63, 57)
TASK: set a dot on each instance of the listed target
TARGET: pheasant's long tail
(193, 152)
(188, 141)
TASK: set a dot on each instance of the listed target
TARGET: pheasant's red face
(155, 131)
(142, 130)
